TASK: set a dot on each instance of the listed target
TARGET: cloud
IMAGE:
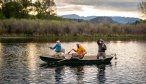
(70, 8)
(119, 5)
(98, 7)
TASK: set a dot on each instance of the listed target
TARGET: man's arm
(74, 50)
(53, 47)
(84, 51)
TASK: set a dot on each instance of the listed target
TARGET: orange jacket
(81, 50)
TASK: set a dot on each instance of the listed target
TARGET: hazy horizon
(86, 8)
(101, 16)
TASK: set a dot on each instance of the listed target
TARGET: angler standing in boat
(79, 52)
(59, 51)
(101, 49)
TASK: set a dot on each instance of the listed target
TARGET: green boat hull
(50, 60)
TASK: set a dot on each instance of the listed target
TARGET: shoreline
(69, 38)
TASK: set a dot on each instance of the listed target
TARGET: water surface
(20, 64)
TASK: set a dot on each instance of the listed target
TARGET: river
(20, 64)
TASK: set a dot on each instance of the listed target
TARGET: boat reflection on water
(80, 74)
(101, 74)
(78, 71)
(59, 71)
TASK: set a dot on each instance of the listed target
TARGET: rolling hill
(116, 19)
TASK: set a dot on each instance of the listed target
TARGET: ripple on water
(20, 64)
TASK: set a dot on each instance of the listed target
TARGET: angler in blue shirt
(57, 47)
(59, 50)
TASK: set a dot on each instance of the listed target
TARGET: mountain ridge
(118, 19)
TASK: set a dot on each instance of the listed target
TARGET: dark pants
(101, 54)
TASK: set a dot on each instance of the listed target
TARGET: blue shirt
(57, 47)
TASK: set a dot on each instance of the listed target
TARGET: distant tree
(12, 9)
(1, 14)
(26, 4)
(45, 8)
(142, 7)
(1, 2)
(27, 8)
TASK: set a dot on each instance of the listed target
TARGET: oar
(69, 51)
(64, 57)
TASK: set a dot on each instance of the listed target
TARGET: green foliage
(12, 10)
(1, 15)
(142, 8)
(44, 9)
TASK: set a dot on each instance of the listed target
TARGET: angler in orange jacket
(79, 52)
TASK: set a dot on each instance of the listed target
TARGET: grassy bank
(68, 30)
(68, 38)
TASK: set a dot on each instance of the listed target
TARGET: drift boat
(85, 61)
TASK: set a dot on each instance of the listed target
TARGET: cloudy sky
(126, 8)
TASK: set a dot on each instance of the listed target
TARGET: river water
(20, 64)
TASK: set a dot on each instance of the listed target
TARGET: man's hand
(84, 53)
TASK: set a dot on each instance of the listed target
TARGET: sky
(124, 8)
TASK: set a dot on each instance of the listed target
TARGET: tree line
(27, 9)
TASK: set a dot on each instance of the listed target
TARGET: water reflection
(59, 72)
(31, 56)
(12, 66)
(20, 64)
(101, 74)
(79, 72)
(1, 60)
(31, 62)
(82, 74)
(1, 54)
